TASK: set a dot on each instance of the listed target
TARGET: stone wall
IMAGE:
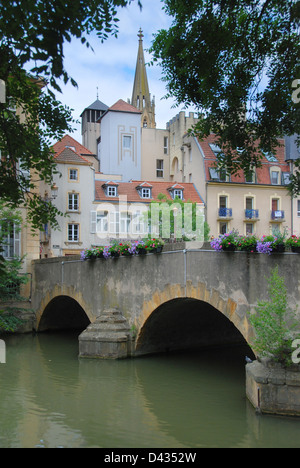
(273, 389)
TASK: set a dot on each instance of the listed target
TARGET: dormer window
(176, 192)
(145, 190)
(146, 193)
(110, 189)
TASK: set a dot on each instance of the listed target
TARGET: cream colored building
(255, 204)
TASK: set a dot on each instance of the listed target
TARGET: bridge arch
(63, 313)
(61, 310)
(179, 318)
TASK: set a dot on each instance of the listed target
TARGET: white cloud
(111, 67)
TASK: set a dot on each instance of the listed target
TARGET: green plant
(293, 241)
(247, 243)
(274, 322)
(11, 278)
(9, 322)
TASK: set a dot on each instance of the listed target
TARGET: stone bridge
(182, 298)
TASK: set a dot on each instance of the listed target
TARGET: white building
(120, 141)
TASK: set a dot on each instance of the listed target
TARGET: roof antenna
(97, 93)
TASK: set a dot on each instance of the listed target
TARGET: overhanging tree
(231, 58)
(32, 37)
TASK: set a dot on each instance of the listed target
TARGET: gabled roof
(130, 190)
(122, 106)
(263, 175)
(68, 150)
(176, 187)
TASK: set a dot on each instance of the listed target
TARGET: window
(139, 224)
(145, 123)
(73, 203)
(166, 145)
(223, 176)
(73, 174)
(249, 203)
(224, 211)
(122, 223)
(223, 201)
(178, 193)
(286, 178)
(223, 228)
(111, 191)
(10, 234)
(102, 221)
(146, 193)
(274, 177)
(215, 149)
(214, 175)
(249, 228)
(73, 232)
(127, 142)
(250, 177)
(159, 168)
(275, 204)
(269, 156)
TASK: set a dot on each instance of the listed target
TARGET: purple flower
(216, 244)
(106, 253)
(264, 247)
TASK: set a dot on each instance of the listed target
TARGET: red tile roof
(68, 141)
(262, 174)
(122, 106)
(129, 189)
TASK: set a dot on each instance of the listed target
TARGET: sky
(111, 66)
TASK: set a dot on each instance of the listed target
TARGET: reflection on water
(50, 398)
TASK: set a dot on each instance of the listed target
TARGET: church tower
(141, 98)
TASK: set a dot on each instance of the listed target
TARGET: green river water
(50, 398)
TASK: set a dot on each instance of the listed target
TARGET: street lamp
(54, 192)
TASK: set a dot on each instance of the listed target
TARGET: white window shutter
(93, 222)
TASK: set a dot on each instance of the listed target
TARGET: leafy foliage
(10, 277)
(229, 59)
(273, 323)
(32, 37)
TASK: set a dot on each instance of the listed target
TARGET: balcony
(252, 214)
(277, 215)
(225, 213)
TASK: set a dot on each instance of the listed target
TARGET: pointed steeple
(141, 98)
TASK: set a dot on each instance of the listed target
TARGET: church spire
(141, 98)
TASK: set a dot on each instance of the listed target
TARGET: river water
(50, 398)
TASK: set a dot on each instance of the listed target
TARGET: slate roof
(97, 105)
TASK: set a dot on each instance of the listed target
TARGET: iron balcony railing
(277, 214)
(251, 214)
(225, 212)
